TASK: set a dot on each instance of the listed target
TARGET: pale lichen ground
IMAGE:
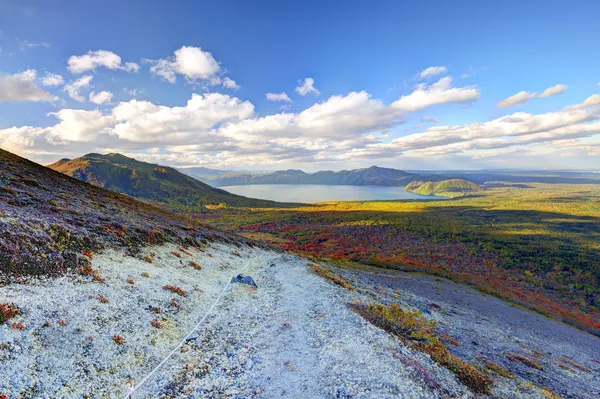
(293, 337)
(67, 347)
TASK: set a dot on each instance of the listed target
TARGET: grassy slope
(446, 188)
(538, 246)
(48, 220)
(151, 182)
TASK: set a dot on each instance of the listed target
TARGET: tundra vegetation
(537, 245)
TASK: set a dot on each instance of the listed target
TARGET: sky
(312, 85)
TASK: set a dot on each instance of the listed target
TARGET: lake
(321, 193)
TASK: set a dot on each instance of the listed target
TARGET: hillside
(150, 182)
(49, 219)
(372, 176)
(444, 188)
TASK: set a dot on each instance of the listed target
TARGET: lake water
(320, 193)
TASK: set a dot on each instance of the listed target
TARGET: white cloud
(307, 87)
(143, 121)
(73, 89)
(131, 67)
(78, 125)
(100, 58)
(278, 97)
(52, 79)
(191, 62)
(102, 97)
(554, 90)
(441, 92)
(520, 98)
(230, 84)
(592, 100)
(222, 130)
(22, 87)
(432, 71)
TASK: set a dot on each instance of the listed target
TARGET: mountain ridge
(150, 182)
(371, 176)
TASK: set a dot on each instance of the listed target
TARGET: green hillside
(150, 182)
(445, 188)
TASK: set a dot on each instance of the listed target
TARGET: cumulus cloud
(143, 121)
(278, 97)
(307, 87)
(22, 87)
(52, 79)
(523, 96)
(223, 130)
(520, 98)
(102, 97)
(554, 90)
(432, 71)
(230, 84)
(191, 62)
(441, 92)
(591, 100)
(100, 58)
(73, 89)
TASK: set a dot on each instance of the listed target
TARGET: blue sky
(362, 57)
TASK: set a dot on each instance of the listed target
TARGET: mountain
(445, 188)
(373, 176)
(202, 172)
(48, 219)
(150, 182)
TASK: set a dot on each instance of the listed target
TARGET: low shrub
(17, 326)
(119, 340)
(417, 332)
(177, 254)
(156, 323)
(329, 275)
(147, 259)
(8, 311)
(175, 290)
(575, 364)
(195, 265)
(524, 360)
(131, 281)
(496, 368)
(89, 271)
(185, 251)
(145, 274)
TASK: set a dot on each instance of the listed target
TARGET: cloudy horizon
(195, 101)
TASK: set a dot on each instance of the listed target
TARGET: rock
(244, 280)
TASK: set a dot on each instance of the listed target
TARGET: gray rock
(244, 280)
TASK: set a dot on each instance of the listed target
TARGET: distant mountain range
(150, 182)
(373, 176)
(378, 176)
